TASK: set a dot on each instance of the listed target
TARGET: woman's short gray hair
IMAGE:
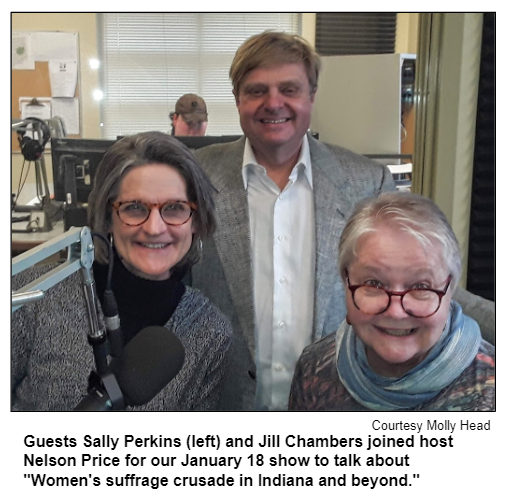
(411, 213)
(149, 148)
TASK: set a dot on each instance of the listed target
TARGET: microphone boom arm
(81, 252)
(80, 247)
(80, 257)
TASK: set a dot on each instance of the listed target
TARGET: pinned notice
(63, 78)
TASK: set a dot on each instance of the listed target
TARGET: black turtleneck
(141, 302)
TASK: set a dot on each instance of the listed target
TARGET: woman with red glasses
(154, 205)
(405, 344)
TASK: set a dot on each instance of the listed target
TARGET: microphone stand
(103, 379)
(80, 257)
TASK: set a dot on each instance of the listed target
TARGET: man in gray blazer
(282, 200)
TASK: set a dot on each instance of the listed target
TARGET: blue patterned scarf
(454, 351)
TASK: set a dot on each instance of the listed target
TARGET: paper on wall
(68, 110)
(21, 51)
(54, 45)
(63, 78)
(35, 107)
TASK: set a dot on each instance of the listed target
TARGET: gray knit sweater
(51, 358)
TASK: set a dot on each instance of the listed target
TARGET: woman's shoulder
(319, 352)
(317, 360)
(59, 300)
(482, 369)
(484, 365)
(474, 389)
(33, 273)
(30, 274)
(316, 384)
(486, 352)
(196, 310)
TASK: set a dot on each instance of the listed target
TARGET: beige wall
(309, 27)
(406, 32)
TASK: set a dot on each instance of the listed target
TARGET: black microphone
(148, 363)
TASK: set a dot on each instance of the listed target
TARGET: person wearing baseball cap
(190, 117)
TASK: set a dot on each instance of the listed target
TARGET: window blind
(150, 59)
(355, 33)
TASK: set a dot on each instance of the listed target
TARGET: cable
(60, 208)
(110, 251)
(33, 229)
(20, 219)
(20, 187)
(109, 307)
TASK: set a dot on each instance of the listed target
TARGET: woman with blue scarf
(405, 345)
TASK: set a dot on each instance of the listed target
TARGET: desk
(23, 241)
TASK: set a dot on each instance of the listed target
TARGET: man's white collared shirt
(282, 226)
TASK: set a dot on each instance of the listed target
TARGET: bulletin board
(35, 82)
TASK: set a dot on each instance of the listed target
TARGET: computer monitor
(74, 167)
(198, 142)
(76, 160)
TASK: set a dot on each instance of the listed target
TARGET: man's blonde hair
(272, 47)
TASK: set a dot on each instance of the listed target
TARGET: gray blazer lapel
(341, 179)
(233, 236)
(330, 217)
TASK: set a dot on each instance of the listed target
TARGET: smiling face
(275, 104)
(395, 341)
(152, 249)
